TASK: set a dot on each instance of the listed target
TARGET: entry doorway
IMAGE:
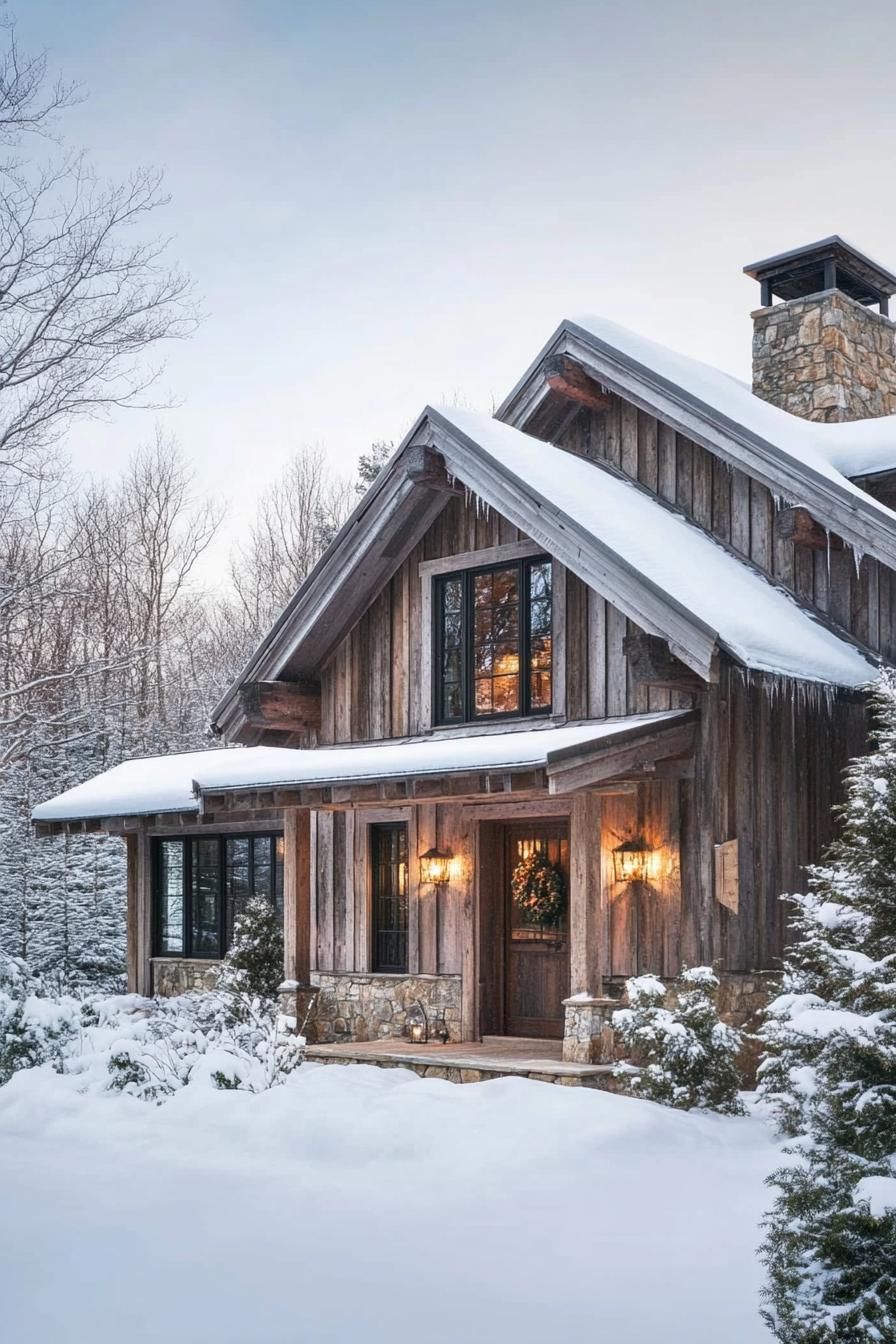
(524, 965)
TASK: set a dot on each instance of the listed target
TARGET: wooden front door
(536, 960)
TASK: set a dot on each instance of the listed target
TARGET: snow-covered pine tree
(685, 1052)
(254, 964)
(830, 1076)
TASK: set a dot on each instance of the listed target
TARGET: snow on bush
(233, 1037)
(228, 1040)
(684, 1056)
(35, 1027)
(829, 1077)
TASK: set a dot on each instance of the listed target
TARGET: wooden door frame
(545, 809)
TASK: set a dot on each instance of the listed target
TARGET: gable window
(202, 883)
(493, 645)
(389, 865)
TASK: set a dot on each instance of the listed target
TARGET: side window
(202, 884)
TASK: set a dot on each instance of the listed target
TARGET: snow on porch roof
(159, 784)
(760, 624)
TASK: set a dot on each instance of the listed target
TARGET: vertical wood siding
(857, 592)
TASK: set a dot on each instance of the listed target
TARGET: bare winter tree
(297, 518)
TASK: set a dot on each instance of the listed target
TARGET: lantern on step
(632, 860)
(435, 867)
(416, 1025)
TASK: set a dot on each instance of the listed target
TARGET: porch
(472, 1061)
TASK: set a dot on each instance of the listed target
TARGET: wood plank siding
(858, 593)
(376, 684)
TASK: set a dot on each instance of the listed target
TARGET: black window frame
(378, 934)
(186, 841)
(467, 577)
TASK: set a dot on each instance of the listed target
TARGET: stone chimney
(822, 352)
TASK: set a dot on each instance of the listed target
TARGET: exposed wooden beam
(798, 525)
(652, 663)
(424, 466)
(566, 376)
(625, 760)
(282, 706)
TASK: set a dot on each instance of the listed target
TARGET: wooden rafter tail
(652, 663)
(565, 375)
(282, 706)
(798, 526)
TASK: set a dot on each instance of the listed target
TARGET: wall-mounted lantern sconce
(435, 868)
(632, 860)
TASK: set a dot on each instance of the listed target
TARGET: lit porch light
(435, 868)
(633, 861)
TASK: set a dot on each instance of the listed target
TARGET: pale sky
(389, 203)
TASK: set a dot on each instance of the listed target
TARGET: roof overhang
(259, 783)
(867, 525)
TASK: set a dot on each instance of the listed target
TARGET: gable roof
(807, 463)
(666, 574)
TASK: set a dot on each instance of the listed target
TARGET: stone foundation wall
(825, 358)
(361, 1006)
(177, 975)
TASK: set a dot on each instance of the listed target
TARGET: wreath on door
(539, 890)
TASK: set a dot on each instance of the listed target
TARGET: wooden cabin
(567, 699)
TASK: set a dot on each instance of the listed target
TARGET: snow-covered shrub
(34, 1026)
(254, 963)
(227, 1040)
(829, 1075)
(685, 1053)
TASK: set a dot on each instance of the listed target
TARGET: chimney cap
(831, 263)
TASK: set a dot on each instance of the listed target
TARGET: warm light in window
(435, 867)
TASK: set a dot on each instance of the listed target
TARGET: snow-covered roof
(760, 624)
(843, 450)
(153, 785)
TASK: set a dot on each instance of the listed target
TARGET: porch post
(586, 895)
(297, 894)
(133, 888)
(140, 904)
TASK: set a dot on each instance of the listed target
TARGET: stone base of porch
(472, 1061)
(363, 1006)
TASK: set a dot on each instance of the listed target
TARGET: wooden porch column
(586, 896)
(297, 894)
(139, 851)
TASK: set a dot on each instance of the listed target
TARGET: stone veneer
(179, 975)
(588, 1036)
(825, 357)
(368, 1006)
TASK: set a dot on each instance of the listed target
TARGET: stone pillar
(588, 1036)
(825, 357)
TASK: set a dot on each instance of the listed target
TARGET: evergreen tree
(254, 964)
(684, 1053)
(830, 1077)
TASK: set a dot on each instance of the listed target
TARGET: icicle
(858, 556)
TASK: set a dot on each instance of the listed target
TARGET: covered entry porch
(396, 950)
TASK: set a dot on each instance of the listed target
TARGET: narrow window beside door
(389, 862)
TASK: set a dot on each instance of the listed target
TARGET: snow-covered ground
(364, 1205)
